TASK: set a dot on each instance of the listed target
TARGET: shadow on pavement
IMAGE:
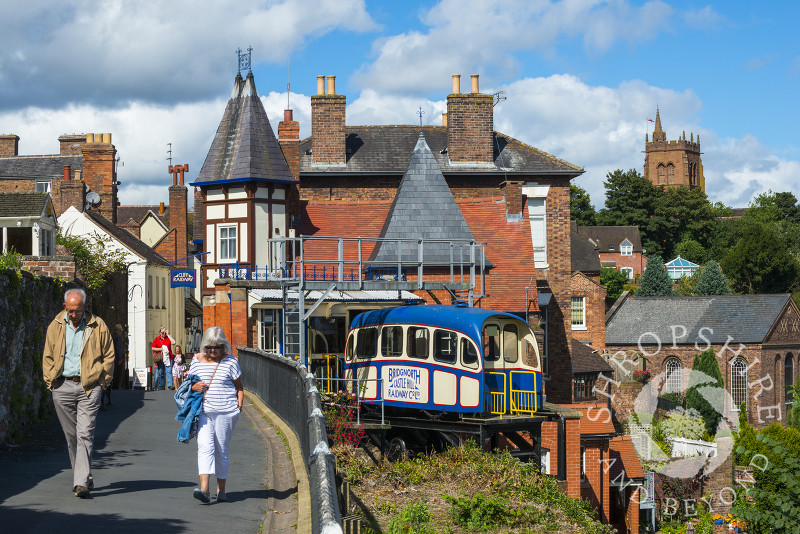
(23, 521)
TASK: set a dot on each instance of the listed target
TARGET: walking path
(144, 477)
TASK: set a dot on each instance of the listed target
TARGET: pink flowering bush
(340, 410)
(642, 376)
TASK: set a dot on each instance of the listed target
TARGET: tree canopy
(580, 207)
(703, 395)
(614, 281)
(654, 281)
(760, 262)
(712, 281)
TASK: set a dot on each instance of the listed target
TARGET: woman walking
(220, 381)
(177, 366)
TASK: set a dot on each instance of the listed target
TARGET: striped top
(221, 394)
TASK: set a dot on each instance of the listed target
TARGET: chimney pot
(67, 172)
(331, 85)
(320, 85)
(474, 79)
(456, 84)
(444, 119)
(161, 209)
(287, 115)
(107, 138)
(89, 138)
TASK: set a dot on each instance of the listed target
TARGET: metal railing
(496, 400)
(355, 387)
(523, 400)
(332, 367)
(290, 391)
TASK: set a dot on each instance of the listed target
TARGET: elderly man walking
(78, 362)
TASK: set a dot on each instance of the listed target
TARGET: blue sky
(581, 77)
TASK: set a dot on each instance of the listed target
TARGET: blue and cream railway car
(446, 359)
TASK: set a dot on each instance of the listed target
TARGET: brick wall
(177, 220)
(595, 488)
(595, 307)
(167, 247)
(17, 186)
(635, 261)
(68, 193)
(469, 127)
(9, 145)
(99, 174)
(289, 139)
(71, 144)
(327, 129)
(62, 267)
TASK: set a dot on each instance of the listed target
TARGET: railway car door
(494, 378)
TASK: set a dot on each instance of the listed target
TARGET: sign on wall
(183, 278)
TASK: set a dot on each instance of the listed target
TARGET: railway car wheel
(397, 450)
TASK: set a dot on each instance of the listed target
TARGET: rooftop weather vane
(420, 113)
(244, 59)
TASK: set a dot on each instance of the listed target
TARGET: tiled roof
(127, 239)
(680, 262)
(245, 147)
(586, 360)
(423, 208)
(138, 213)
(745, 318)
(385, 149)
(584, 254)
(22, 204)
(625, 462)
(38, 166)
(596, 418)
(605, 236)
(509, 244)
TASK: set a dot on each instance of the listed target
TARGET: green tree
(687, 285)
(712, 281)
(706, 390)
(580, 207)
(654, 281)
(691, 250)
(793, 416)
(681, 214)
(94, 258)
(773, 207)
(614, 281)
(630, 201)
(760, 262)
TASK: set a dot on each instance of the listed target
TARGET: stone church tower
(673, 163)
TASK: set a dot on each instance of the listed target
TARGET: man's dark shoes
(81, 491)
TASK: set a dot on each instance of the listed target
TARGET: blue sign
(183, 278)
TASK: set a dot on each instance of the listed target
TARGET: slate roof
(38, 166)
(127, 239)
(745, 318)
(603, 236)
(22, 204)
(584, 254)
(245, 148)
(586, 360)
(385, 149)
(423, 208)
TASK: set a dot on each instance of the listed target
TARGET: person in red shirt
(163, 339)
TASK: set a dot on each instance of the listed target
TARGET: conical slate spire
(424, 208)
(244, 148)
(658, 133)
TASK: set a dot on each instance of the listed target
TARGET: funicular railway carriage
(459, 360)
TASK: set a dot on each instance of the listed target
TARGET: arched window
(738, 382)
(661, 175)
(674, 381)
(670, 174)
(788, 378)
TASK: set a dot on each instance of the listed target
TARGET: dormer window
(626, 248)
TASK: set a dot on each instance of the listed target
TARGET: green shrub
(706, 390)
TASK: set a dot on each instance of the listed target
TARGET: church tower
(673, 163)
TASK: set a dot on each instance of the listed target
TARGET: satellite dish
(93, 199)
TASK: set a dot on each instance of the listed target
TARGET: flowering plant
(642, 375)
(340, 410)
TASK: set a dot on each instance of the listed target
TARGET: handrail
(359, 390)
(523, 400)
(497, 399)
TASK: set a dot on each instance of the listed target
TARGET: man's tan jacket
(97, 352)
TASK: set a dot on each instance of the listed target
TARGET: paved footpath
(144, 477)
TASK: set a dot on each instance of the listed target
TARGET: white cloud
(117, 51)
(467, 36)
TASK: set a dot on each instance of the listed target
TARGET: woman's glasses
(214, 347)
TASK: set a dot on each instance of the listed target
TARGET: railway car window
(417, 342)
(469, 354)
(367, 343)
(510, 343)
(350, 342)
(491, 342)
(531, 358)
(445, 345)
(392, 341)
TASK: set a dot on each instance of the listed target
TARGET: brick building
(588, 306)
(756, 339)
(619, 247)
(673, 163)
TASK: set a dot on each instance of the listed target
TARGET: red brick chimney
(178, 196)
(512, 191)
(99, 172)
(327, 124)
(9, 145)
(68, 192)
(70, 144)
(289, 139)
(469, 124)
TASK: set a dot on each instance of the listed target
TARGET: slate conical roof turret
(423, 208)
(658, 133)
(245, 148)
